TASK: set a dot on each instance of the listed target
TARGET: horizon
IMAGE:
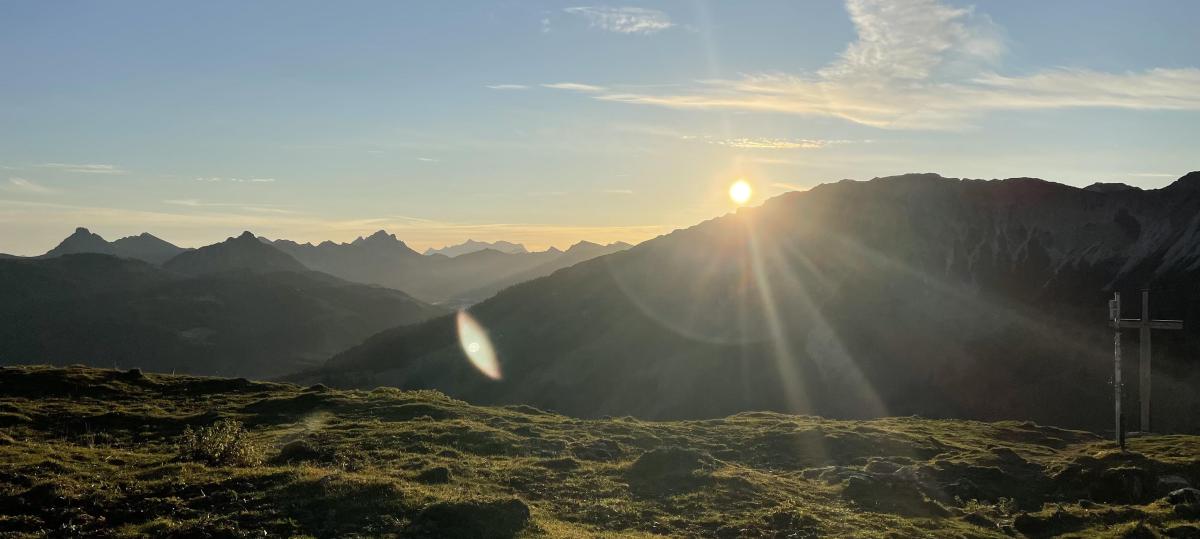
(424, 248)
(443, 123)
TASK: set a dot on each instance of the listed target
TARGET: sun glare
(477, 346)
(740, 192)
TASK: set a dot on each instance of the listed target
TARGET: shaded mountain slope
(98, 453)
(102, 310)
(914, 294)
(244, 253)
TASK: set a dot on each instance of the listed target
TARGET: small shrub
(224, 443)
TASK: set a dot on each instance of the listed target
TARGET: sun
(740, 191)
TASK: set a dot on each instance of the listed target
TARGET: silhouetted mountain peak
(471, 246)
(244, 252)
(380, 238)
(1110, 187)
(1190, 180)
(81, 241)
(583, 245)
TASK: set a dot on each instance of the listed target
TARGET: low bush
(224, 443)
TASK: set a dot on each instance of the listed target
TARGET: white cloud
(624, 20)
(257, 208)
(427, 159)
(507, 86)
(26, 186)
(575, 86)
(788, 186)
(761, 143)
(235, 180)
(919, 64)
(619, 191)
(83, 168)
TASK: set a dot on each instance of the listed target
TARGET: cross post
(1143, 325)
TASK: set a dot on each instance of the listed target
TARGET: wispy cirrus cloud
(257, 208)
(575, 86)
(22, 185)
(623, 20)
(920, 64)
(618, 191)
(763, 143)
(507, 86)
(83, 168)
(789, 186)
(217, 179)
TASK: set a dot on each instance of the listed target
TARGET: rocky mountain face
(462, 279)
(913, 294)
(103, 310)
(470, 246)
(145, 246)
(243, 253)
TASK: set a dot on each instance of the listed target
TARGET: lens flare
(477, 346)
(740, 192)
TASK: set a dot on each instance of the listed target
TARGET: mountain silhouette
(912, 294)
(245, 252)
(103, 310)
(470, 246)
(453, 281)
(144, 246)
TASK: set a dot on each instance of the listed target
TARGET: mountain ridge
(825, 301)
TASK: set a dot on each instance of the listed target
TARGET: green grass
(97, 452)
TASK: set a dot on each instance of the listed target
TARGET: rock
(881, 467)
(1187, 510)
(978, 520)
(1140, 531)
(670, 463)
(890, 495)
(669, 470)
(133, 374)
(474, 519)
(1184, 495)
(436, 475)
(1124, 485)
(602, 450)
(1185, 531)
(317, 388)
(298, 450)
(1046, 525)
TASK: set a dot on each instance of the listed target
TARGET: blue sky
(548, 122)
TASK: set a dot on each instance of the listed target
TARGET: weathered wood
(1144, 325)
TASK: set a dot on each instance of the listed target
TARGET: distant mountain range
(244, 252)
(241, 307)
(144, 247)
(206, 313)
(470, 246)
(912, 294)
(454, 281)
(453, 276)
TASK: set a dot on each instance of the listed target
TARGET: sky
(548, 123)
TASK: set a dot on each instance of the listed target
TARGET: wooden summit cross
(1143, 325)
